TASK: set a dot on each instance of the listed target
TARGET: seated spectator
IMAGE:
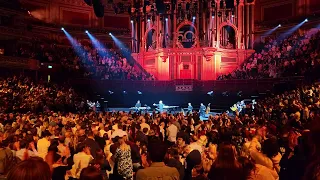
(157, 168)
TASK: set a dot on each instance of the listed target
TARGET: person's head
(173, 153)
(31, 169)
(61, 139)
(157, 152)
(90, 173)
(180, 141)
(46, 134)
(162, 124)
(122, 138)
(247, 165)
(227, 156)
(270, 147)
(145, 130)
(82, 147)
(90, 134)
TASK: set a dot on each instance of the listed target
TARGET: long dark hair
(90, 173)
(226, 166)
(31, 169)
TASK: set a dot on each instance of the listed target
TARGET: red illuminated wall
(75, 18)
(116, 21)
(272, 10)
(314, 5)
(285, 9)
(74, 12)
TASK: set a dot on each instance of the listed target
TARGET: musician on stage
(202, 110)
(160, 106)
(208, 109)
(190, 108)
(138, 104)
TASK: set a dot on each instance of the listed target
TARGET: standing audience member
(157, 169)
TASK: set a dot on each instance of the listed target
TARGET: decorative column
(174, 33)
(248, 25)
(132, 36)
(240, 23)
(252, 25)
(158, 31)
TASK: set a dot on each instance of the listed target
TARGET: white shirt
(81, 160)
(196, 146)
(172, 133)
(42, 146)
(20, 154)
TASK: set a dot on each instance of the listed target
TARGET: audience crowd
(88, 61)
(46, 132)
(295, 55)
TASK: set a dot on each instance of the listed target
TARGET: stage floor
(213, 112)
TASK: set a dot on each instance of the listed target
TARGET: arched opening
(151, 43)
(228, 37)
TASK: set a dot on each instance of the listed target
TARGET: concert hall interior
(228, 75)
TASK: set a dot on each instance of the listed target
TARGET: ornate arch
(228, 23)
(186, 22)
(146, 35)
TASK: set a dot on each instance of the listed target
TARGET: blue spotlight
(306, 20)
(193, 17)
(279, 25)
(139, 92)
(110, 34)
(62, 29)
(166, 19)
(87, 31)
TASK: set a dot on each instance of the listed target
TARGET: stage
(213, 112)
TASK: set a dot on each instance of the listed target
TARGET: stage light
(110, 34)
(49, 67)
(279, 25)
(110, 92)
(166, 19)
(212, 16)
(131, 21)
(306, 20)
(232, 16)
(148, 20)
(87, 31)
(139, 92)
(62, 29)
(193, 17)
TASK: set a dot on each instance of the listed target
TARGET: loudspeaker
(98, 8)
(89, 2)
